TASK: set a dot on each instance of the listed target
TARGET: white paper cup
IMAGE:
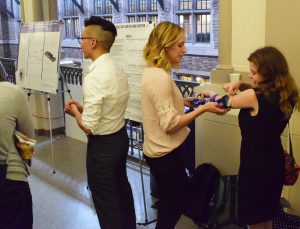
(234, 77)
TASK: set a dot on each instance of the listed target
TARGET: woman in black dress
(266, 106)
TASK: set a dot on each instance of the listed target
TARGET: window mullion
(194, 25)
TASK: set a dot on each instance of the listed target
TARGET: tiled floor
(61, 200)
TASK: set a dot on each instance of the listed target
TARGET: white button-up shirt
(105, 96)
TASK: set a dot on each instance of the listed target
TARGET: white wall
(72, 129)
(39, 108)
(282, 31)
(248, 30)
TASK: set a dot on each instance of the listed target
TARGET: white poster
(128, 51)
(38, 60)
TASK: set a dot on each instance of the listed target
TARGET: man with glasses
(101, 117)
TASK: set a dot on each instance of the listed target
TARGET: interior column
(220, 74)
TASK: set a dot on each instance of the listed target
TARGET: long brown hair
(273, 67)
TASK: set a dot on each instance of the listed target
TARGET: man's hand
(68, 107)
(73, 110)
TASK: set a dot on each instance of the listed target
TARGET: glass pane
(153, 18)
(203, 4)
(67, 4)
(108, 7)
(208, 4)
(97, 6)
(153, 5)
(108, 18)
(131, 19)
(131, 6)
(142, 5)
(185, 4)
(76, 28)
(142, 18)
(203, 28)
(185, 21)
(67, 28)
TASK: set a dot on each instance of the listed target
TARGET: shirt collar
(103, 57)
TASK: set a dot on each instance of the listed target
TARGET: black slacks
(108, 181)
(15, 205)
(171, 179)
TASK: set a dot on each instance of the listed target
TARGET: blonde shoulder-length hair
(164, 35)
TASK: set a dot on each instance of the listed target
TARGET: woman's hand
(213, 107)
(188, 102)
(232, 87)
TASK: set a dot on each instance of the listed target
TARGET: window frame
(72, 14)
(134, 14)
(190, 8)
(107, 14)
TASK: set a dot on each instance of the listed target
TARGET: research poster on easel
(38, 60)
(128, 51)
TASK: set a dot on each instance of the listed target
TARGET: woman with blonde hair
(164, 121)
(266, 107)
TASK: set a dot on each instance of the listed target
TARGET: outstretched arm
(232, 87)
(189, 117)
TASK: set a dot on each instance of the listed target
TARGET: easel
(49, 114)
(138, 130)
(49, 54)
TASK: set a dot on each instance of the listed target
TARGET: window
(194, 17)
(142, 11)
(71, 19)
(103, 8)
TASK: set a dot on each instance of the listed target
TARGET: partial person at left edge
(101, 117)
(15, 194)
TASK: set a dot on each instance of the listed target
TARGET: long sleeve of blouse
(162, 106)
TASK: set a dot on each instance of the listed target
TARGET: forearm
(78, 117)
(80, 108)
(187, 119)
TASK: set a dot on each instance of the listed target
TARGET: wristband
(213, 98)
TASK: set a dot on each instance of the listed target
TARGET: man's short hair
(105, 24)
(109, 31)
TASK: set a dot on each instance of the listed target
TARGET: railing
(2, 71)
(9, 66)
(186, 87)
(72, 75)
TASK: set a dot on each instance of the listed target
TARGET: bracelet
(213, 98)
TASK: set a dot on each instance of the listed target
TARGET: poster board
(38, 58)
(128, 52)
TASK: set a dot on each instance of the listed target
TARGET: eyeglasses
(79, 39)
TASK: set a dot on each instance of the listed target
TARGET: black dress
(261, 169)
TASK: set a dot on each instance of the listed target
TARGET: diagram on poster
(38, 60)
(128, 51)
